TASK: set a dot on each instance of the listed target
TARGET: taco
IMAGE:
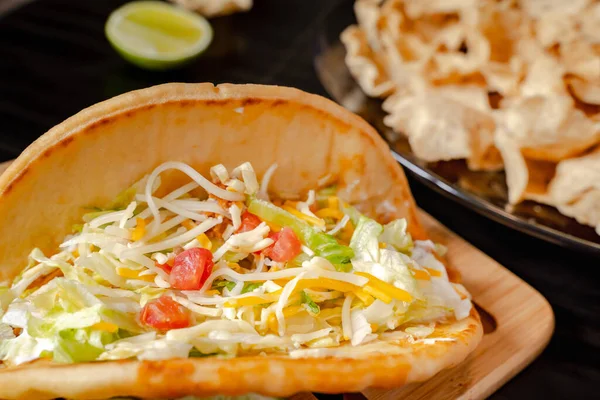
(188, 239)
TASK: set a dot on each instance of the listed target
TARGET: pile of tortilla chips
(215, 8)
(503, 84)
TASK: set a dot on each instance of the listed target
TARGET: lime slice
(156, 35)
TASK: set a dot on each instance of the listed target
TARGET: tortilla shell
(91, 157)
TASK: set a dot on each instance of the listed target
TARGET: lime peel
(157, 35)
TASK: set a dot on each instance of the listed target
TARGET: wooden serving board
(518, 324)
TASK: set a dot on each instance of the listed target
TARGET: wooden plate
(518, 324)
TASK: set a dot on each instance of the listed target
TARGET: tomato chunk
(249, 222)
(191, 269)
(165, 267)
(286, 246)
(165, 313)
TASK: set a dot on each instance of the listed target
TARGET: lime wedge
(156, 35)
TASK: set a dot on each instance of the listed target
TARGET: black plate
(484, 192)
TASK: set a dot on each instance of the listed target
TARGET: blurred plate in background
(484, 192)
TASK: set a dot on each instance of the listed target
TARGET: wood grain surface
(522, 325)
(518, 325)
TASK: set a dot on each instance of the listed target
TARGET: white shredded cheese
(210, 187)
(127, 214)
(236, 216)
(246, 172)
(206, 311)
(282, 302)
(307, 250)
(172, 242)
(219, 172)
(301, 338)
(340, 225)
(346, 317)
(246, 242)
(264, 185)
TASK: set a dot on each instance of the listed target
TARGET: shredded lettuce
(109, 273)
(146, 347)
(6, 332)
(123, 199)
(387, 265)
(79, 345)
(394, 234)
(250, 286)
(24, 348)
(309, 304)
(365, 240)
(322, 244)
(224, 284)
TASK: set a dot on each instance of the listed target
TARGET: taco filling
(222, 267)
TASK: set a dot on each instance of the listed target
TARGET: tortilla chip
(418, 8)
(585, 91)
(364, 65)
(539, 8)
(504, 78)
(215, 8)
(555, 28)
(446, 123)
(544, 77)
(576, 176)
(445, 64)
(368, 16)
(526, 179)
(548, 128)
(581, 58)
(575, 190)
(589, 23)
(89, 158)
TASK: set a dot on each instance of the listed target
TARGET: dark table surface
(54, 61)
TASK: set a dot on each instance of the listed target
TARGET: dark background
(54, 61)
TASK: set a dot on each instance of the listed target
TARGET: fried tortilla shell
(91, 157)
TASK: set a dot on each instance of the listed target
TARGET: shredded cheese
(330, 213)
(105, 326)
(282, 302)
(390, 290)
(133, 274)
(420, 274)
(340, 225)
(204, 241)
(312, 220)
(333, 202)
(326, 283)
(363, 296)
(264, 185)
(433, 272)
(346, 317)
(176, 241)
(140, 229)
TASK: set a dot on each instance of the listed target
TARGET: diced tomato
(249, 222)
(165, 313)
(191, 269)
(286, 246)
(165, 267)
